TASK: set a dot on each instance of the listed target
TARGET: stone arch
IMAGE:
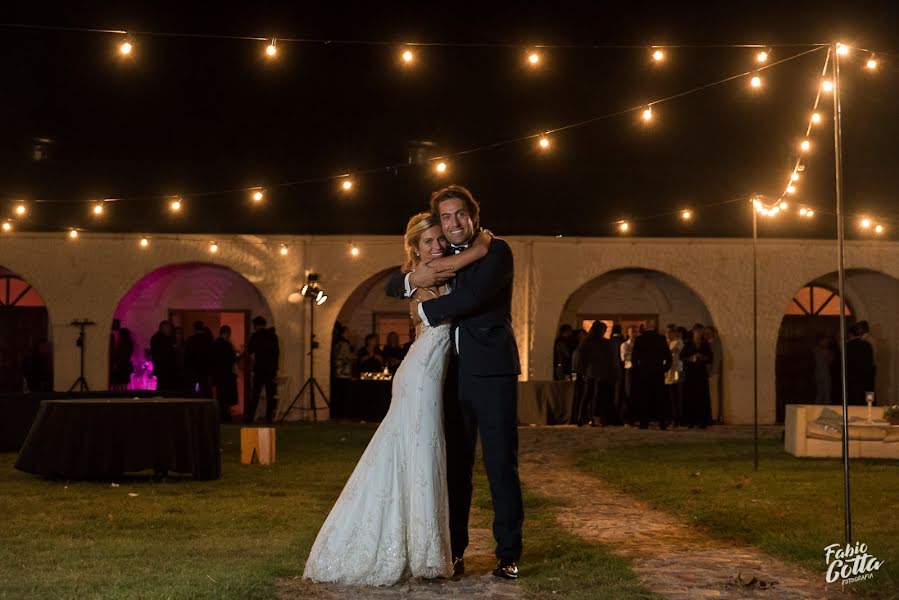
(26, 356)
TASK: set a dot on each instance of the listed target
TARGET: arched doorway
(185, 294)
(26, 358)
(369, 310)
(813, 314)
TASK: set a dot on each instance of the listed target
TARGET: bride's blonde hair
(417, 225)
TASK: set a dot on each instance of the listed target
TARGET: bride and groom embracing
(404, 510)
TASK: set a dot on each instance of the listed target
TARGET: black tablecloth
(545, 402)
(104, 438)
(361, 400)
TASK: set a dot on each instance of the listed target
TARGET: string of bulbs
(533, 58)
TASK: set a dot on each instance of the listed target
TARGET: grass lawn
(232, 538)
(791, 507)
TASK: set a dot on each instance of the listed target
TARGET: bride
(391, 520)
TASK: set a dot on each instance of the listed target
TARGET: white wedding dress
(391, 520)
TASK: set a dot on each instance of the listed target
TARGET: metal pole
(312, 360)
(841, 281)
(755, 339)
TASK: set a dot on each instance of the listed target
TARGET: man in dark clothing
(264, 350)
(165, 360)
(859, 367)
(198, 359)
(600, 366)
(224, 377)
(562, 353)
(651, 359)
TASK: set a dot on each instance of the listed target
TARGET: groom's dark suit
(481, 393)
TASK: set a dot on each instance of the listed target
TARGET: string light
(647, 113)
(175, 205)
(794, 176)
(7, 226)
(213, 247)
(258, 195)
(872, 63)
(802, 212)
(408, 56)
(686, 215)
(441, 167)
(783, 206)
(842, 49)
(347, 185)
(816, 117)
(809, 213)
(827, 85)
(658, 55)
(283, 250)
(624, 226)
(878, 229)
(73, 234)
(865, 223)
(125, 48)
(21, 209)
(144, 242)
(543, 142)
(805, 145)
(98, 208)
(354, 250)
(271, 50)
(756, 81)
(791, 189)
(533, 58)
(762, 56)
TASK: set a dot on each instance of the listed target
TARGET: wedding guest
(715, 370)
(393, 353)
(224, 373)
(370, 359)
(264, 352)
(697, 403)
(596, 357)
(122, 368)
(824, 359)
(865, 334)
(628, 404)
(616, 339)
(198, 360)
(674, 377)
(859, 367)
(164, 357)
(562, 353)
(651, 359)
(344, 364)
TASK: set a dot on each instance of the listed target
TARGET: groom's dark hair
(462, 193)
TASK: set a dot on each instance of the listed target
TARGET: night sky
(187, 116)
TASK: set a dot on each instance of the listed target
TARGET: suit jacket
(480, 308)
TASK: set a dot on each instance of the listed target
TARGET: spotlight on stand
(310, 290)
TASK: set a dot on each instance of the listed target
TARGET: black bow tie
(458, 249)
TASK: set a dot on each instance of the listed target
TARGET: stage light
(647, 114)
(347, 185)
(408, 56)
(7, 226)
(175, 205)
(144, 242)
(21, 209)
(827, 85)
(794, 177)
(73, 234)
(534, 59)
(761, 57)
(805, 145)
(816, 117)
(686, 215)
(842, 49)
(258, 195)
(865, 223)
(658, 55)
(871, 64)
(791, 189)
(544, 142)
(878, 229)
(756, 82)
(354, 250)
(271, 50)
(441, 167)
(125, 48)
(213, 247)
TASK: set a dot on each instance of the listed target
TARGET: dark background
(187, 116)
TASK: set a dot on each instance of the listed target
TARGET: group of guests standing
(641, 376)
(206, 365)
(861, 367)
(347, 363)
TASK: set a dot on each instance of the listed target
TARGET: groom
(482, 380)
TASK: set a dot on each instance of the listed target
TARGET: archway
(26, 357)
(813, 314)
(183, 294)
(369, 310)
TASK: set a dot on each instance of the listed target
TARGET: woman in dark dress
(696, 356)
(121, 369)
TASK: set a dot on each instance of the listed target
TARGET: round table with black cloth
(106, 438)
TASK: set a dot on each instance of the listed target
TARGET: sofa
(816, 430)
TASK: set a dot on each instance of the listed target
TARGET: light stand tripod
(311, 292)
(81, 382)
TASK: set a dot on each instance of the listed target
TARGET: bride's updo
(417, 225)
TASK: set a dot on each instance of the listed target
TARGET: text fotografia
(850, 564)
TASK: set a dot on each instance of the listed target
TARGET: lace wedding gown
(391, 519)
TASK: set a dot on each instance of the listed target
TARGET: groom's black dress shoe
(458, 566)
(506, 570)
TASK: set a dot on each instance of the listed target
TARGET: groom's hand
(426, 276)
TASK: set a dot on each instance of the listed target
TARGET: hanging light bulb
(827, 85)
(783, 205)
(647, 113)
(878, 229)
(258, 196)
(773, 211)
(73, 234)
(354, 250)
(271, 50)
(441, 167)
(213, 247)
(791, 189)
(7, 226)
(794, 176)
(816, 117)
(809, 213)
(803, 212)
(408, 56)
(805, 145)
(686, 215)
(865, 223)
(125, 48)
(543, 142)
(658, 55)
(175, 205)
(624, 226)
(762, 56)
(98, 208)
(534, 58)
(144, 242)
(756, 81)
(872, 63)
(21, 209)
(842, 49)
(283, 250)
(347, 185)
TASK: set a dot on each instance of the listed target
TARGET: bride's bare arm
(478, 250)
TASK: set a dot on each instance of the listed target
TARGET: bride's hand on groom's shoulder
(484, 238)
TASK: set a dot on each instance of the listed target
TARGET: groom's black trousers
(488, 404)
